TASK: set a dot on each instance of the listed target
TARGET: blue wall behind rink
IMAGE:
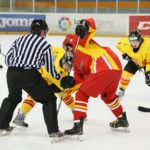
(17, 22)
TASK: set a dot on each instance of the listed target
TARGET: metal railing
(76, 6)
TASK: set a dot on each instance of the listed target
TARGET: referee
(26, 55)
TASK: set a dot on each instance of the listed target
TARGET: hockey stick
(143, 109)
(63, 92)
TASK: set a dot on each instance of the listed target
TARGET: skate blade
(21, 128)
(5, 133)
(55, 139)
(79, 138)
(121, 129)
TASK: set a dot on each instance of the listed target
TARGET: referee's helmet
(38, 25)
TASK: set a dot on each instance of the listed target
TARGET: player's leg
(41, 92)
(25, 108)
(9, 104)
(88, 88)
(68, 98)
(110, 99)
(80, 110)
(124, 82)
(129, 71)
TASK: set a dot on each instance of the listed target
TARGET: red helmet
(68, 40)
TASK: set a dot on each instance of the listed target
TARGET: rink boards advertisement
(17, 22)
(141, 23)
(65, 23)
(105, 24)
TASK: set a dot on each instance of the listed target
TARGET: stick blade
(143, 109)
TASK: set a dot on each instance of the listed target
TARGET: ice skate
(56, 137)
(19, 121)
(121, 124)
(7, 131)
(76, 132)
(120, 93)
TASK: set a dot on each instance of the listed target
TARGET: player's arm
(49, 64)
(120, 46)
(48, 78)
(78, 77)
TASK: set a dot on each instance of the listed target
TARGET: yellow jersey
(141, 57)
(57, 55)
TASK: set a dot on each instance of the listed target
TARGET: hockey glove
(67, 82)
(82, 29)
(147, 78)
(126, 57)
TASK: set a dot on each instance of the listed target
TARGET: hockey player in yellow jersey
(63, 64)
(136, 50)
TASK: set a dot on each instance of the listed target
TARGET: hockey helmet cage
(135, 35)
(66, 59)
(38, 25)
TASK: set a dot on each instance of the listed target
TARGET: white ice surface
(97, 134)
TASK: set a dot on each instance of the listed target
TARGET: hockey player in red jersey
(99, 70)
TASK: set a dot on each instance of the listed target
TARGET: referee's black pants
(32, 82)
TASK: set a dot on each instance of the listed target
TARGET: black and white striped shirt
(31, 51)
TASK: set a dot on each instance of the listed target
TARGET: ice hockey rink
(97, 133)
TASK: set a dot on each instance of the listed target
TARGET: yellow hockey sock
(125, 80)
(68, 98)
(27, 105)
